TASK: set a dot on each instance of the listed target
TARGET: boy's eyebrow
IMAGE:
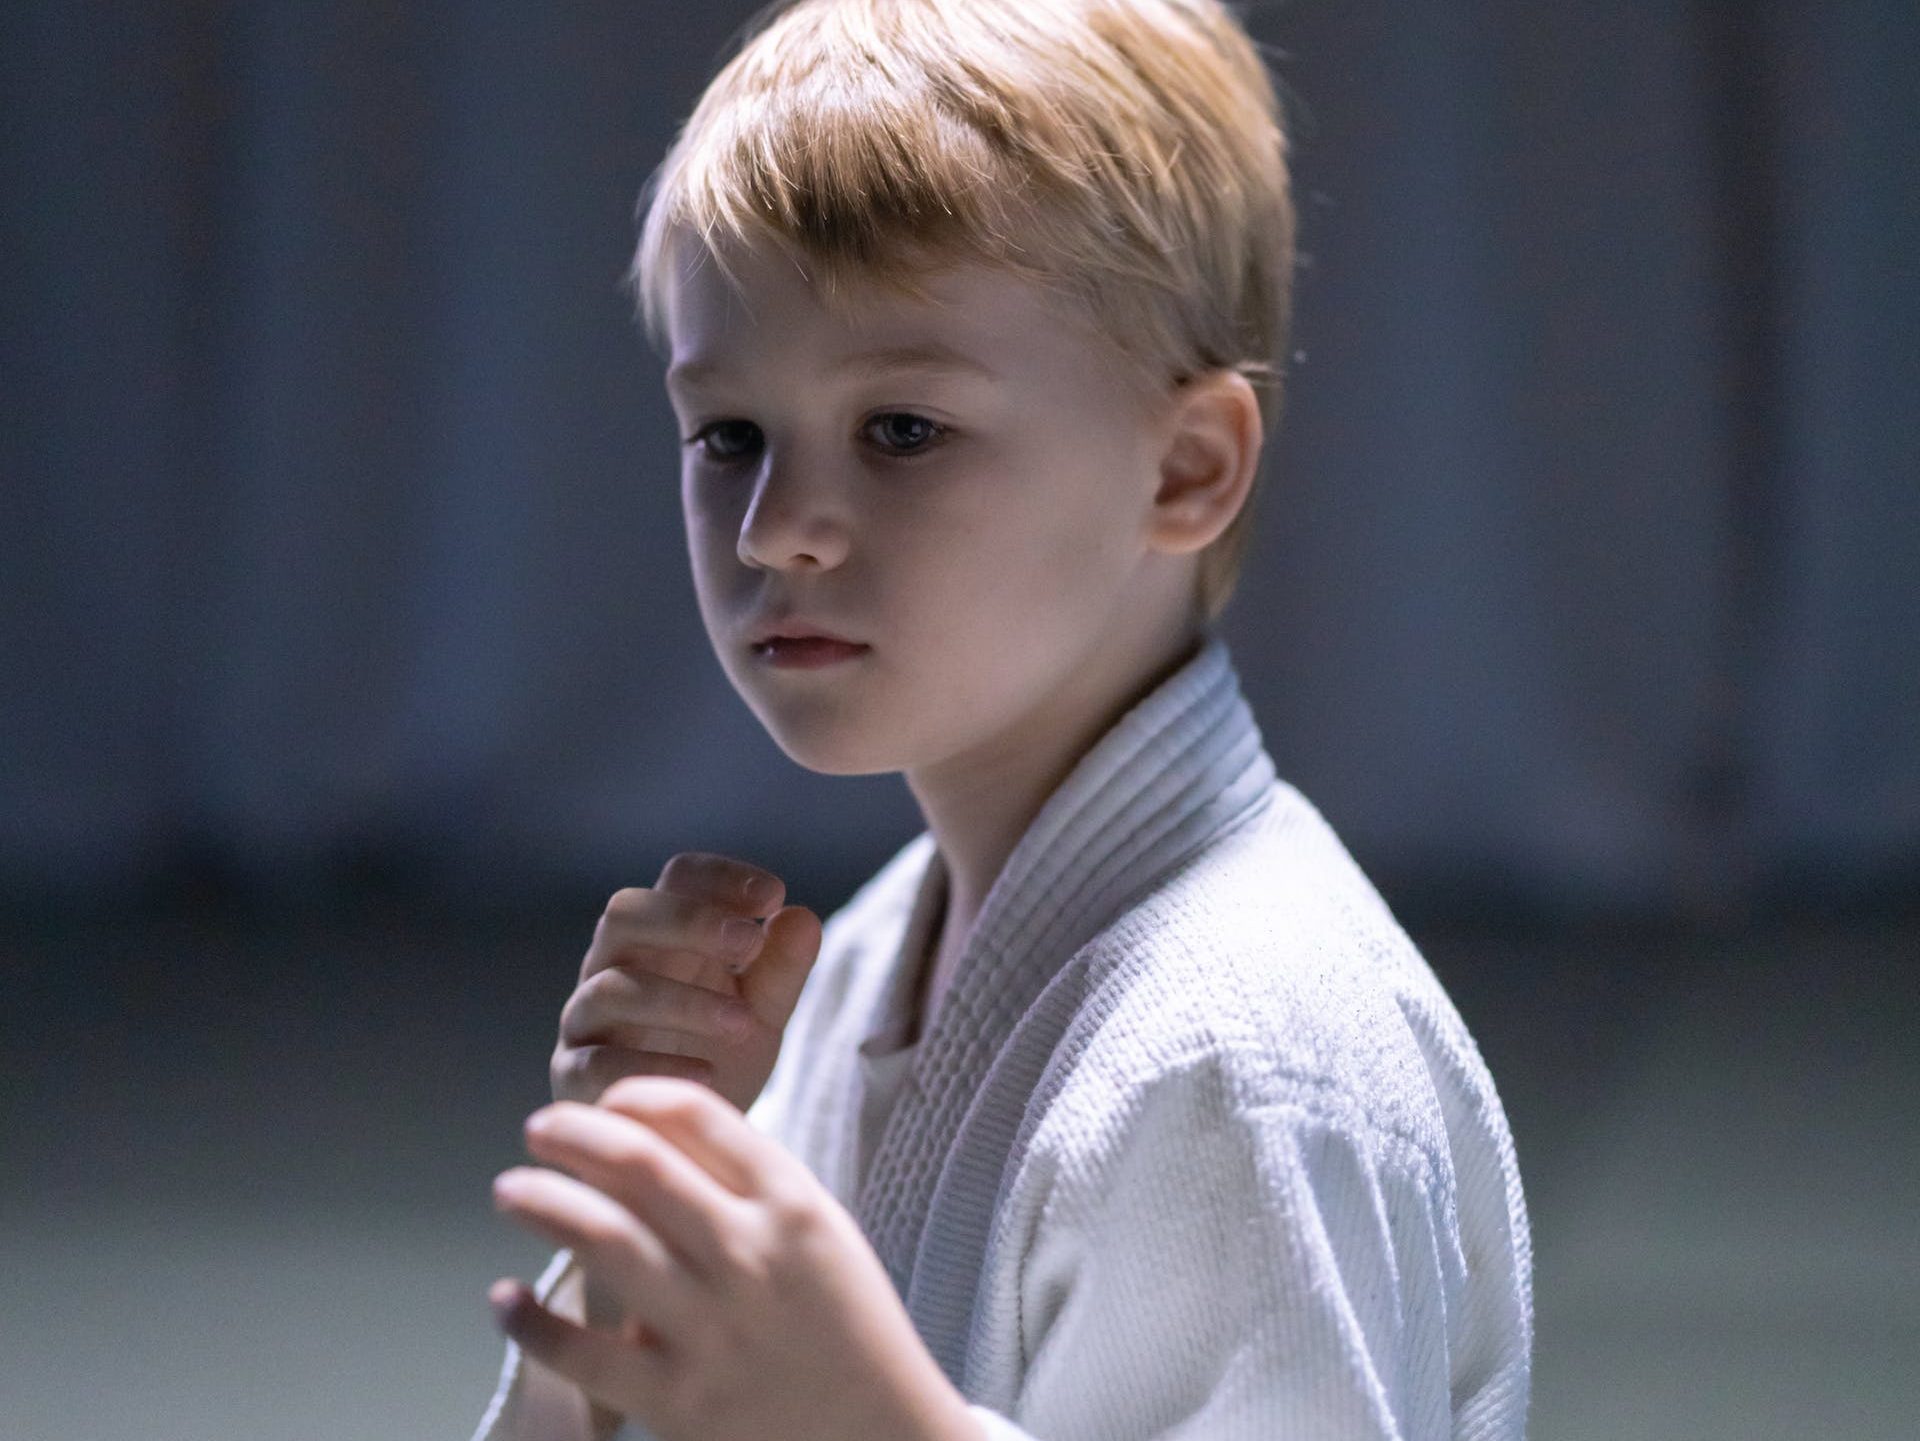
(929, 356)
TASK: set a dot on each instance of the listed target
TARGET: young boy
(1116, 1104)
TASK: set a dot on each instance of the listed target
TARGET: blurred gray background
(351, 660)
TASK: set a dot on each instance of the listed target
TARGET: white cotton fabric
(1194, 1146)
(886, 1056)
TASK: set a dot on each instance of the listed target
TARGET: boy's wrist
(954, 1419)
(958, 1422)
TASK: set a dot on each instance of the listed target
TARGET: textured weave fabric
(885, 1067)
(1194, 1147)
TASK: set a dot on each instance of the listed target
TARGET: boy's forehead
(970, 310)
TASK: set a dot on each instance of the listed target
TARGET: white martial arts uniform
(1194, 1146)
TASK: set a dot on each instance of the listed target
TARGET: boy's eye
(903, 430)
(703, 439)
(902, 434)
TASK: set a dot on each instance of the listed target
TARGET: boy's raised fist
(695, 977)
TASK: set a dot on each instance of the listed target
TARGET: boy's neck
(978, 806)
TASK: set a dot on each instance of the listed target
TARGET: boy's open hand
(683, 980)
(755, 1306)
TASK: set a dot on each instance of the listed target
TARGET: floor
(244, 1183)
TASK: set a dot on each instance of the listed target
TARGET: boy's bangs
(851, 192)
(877, 141)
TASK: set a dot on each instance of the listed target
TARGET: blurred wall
(338, 504)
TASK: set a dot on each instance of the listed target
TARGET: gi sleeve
(1270, 1272)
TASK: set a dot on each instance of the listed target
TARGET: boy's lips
(806, 653)
(789, 643)
(795, 629)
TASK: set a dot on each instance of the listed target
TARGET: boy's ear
(1211, 452)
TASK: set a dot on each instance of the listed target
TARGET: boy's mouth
(807, 652)
(790, 627)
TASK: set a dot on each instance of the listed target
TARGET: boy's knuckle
(792, 1217)
(626, 903)
(683, 865)
(744, 1263)
(691, 1106)
(650, 1157)
(572, 1071)
(695, 871)
(581, 1013)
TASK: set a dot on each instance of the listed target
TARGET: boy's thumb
(773, 982)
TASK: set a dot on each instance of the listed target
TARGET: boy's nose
(790, 523)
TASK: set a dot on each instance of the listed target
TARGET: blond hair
(1127, 155)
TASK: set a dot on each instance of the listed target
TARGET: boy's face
(980, 531)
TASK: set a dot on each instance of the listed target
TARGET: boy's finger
(633, 1006)
(684, 936)
(609, 1369)
(615, 1247)
(772, 984)
(680, 1200)
(583, 1073)
(710, 1130)
(739, 884)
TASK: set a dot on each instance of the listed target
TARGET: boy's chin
(829, 754)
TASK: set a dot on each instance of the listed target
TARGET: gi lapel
(1180, 768)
